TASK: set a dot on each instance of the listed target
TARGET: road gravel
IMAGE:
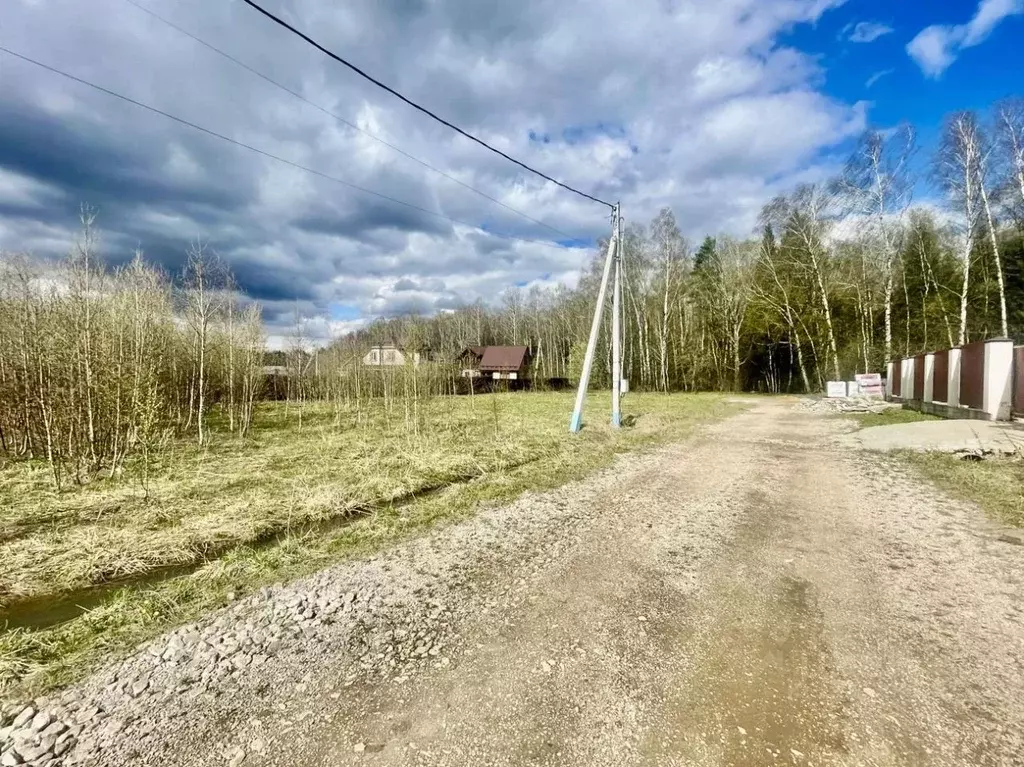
(759, 595)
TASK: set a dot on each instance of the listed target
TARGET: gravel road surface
(759, 595)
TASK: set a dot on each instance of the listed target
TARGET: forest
(101, 365)
(840, 277)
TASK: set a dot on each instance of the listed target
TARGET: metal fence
(972, 375)
(940, 384)
(918, 377)
(1018, 380)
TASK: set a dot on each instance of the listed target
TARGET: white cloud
(878, 76)
(20, 191)
(869, 31)
(711, 128)
(936, 47)
(990, 13)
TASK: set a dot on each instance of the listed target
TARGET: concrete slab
(947, 436)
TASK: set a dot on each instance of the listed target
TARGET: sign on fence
(870, 384)
(836, 389)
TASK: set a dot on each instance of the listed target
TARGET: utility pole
(576, 422)
(617, 326)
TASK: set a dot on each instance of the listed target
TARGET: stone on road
(759, 595)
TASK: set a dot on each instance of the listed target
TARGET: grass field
(202, 526)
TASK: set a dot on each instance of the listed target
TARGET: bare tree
(1010, 144)
(203, 280)
(879, 188)
(772, 288)
(957, 168)
(987, 180)
(670, 249)
(735, 263)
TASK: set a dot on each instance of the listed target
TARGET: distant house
(470, 361)
(498, 362)
(389, 355)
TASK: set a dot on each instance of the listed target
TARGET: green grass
(995, 484)
(889, 417)
(246, 514)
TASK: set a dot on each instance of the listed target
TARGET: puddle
(48, 611)
(52, 610)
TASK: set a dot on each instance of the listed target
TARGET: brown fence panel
(972, 375)
(918, 377)
(1018, 380)
(940, 386)
(897, 378)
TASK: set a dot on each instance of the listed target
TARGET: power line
(340, 119)
(264, 153)
(414, 105)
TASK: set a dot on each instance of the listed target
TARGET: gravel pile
(388, 616)
(828, 406)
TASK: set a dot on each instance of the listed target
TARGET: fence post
(888, 380)
(907, 381)
(953, 392)
(928, 395)
(1017, 406)
(998, 384)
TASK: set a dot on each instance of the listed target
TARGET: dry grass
(995, 484)
(210, 508)
(888, 417)
(197, 504)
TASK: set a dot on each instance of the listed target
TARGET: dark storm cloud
(100, 166)
(369, 215)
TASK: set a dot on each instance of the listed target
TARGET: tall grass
(101, 365)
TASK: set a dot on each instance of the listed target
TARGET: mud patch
(762, 691)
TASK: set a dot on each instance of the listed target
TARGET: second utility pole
(576, 422)
(617, 326)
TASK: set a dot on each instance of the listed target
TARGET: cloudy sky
(706, 107)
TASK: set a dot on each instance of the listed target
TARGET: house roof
(503, 358)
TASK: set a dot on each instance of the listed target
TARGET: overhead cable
(414, 105)
(342, 120)
(269, 155)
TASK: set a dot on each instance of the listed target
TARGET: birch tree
(806, 218)
(879, 189)
(1010, 144)
(958, 172)
(202, 278)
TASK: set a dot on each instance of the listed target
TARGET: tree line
(100, 366)
(840, 277)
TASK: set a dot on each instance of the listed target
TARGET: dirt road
(757, 596)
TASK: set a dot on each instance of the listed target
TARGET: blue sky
(981, 74)
(708, 108)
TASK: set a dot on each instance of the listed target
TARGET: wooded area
(842, 276)
(99, 365)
